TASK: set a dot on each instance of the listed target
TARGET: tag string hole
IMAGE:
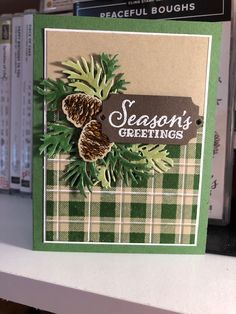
(199, 122)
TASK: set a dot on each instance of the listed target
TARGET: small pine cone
(80, 108)
(93, 144)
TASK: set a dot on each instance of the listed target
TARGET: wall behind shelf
(14, 6)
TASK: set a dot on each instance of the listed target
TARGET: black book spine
(197, 10)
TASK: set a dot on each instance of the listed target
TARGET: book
(5, 62)
(56, 6)
(16, 81)
(221, 184)
(123, 134)
(26, 103)
(200, 10)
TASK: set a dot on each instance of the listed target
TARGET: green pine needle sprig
(155, 155)
(80, 175)
(88, 78)
(110, 66)
(53, 91)
(58, 139)
(122, 163)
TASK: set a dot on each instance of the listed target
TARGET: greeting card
(123, 134)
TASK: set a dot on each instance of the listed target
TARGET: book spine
(26, 105)
(219, 175)
(218, 10)
(16, 75)
(5, 64)
(54, 6)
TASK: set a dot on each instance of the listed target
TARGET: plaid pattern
(162, 210)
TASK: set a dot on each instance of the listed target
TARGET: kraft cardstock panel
(168, 212)
(154, 64)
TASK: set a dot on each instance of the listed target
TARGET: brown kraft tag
(148, 119)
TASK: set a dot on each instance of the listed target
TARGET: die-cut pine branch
(58, 139)
(110, 66)
(80, 175)
(156, 156)
(132, 170)
(122, 163)
(105, 176)
(119, 85)
(53, 91)
(88, 78)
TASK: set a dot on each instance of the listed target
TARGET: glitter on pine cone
(81, 108)
(93, 144)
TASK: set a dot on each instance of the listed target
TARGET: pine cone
(93, 144)
(81, 108)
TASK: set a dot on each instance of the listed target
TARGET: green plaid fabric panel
(161, 210)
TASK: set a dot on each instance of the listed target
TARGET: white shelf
(87, 282)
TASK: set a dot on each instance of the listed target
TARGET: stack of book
(16, 95)
(16, 88)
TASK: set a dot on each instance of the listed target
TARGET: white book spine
(218, 193)
(5, 83)
(16, 76)
(26, 105)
